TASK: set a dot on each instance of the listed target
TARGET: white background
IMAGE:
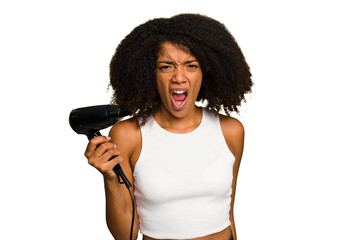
(299, 177)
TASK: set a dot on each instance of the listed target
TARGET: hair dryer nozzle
(88, 120)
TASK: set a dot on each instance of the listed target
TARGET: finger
(94, 143)
(103, 148)
(102, 161)
(116, 160)
(108, 155)
(107, 168)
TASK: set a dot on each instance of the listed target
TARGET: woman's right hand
(99, 151)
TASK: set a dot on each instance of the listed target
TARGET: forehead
(172, 50)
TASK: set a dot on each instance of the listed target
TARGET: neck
(184, 124)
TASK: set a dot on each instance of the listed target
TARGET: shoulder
(126, 135)
(126, 127)
(233, 132)
(231, 126)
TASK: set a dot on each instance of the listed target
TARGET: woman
(182, 159)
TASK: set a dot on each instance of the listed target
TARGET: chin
(180, 113)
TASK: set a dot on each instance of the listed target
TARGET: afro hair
(226, 75)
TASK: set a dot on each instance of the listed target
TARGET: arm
(233, 132)
(125, 144)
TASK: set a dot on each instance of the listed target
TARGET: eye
(192, 67)
(166, 68)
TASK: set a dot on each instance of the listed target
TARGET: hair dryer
(90, 120)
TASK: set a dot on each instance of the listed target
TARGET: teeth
(179, 92)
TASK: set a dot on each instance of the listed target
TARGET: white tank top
(182, 182)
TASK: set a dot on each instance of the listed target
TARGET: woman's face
(178, 79)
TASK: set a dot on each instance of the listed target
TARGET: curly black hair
(226, 75)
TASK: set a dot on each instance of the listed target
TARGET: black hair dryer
(90, 120)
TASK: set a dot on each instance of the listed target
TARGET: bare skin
(183, 73)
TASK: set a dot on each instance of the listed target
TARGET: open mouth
(179, 98)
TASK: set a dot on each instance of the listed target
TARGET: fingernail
(108, 138)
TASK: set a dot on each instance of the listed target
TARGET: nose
(179, 75)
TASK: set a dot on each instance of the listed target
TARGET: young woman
(182, 159)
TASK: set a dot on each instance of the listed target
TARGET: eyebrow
(171, 62)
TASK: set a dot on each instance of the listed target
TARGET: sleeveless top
(183, 182)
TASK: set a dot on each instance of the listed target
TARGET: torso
(223, 235)
(134, 147)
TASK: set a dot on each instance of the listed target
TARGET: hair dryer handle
(119, 172)
(91, 135)
(117, 169)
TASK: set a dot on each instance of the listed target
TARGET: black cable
(133, 214)
(133, 206)
(128, 185)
